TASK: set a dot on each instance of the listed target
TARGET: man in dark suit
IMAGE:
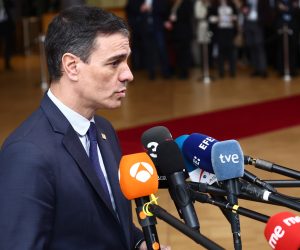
(7, 29)
(50, 194)
(146, 18)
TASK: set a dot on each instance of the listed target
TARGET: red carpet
(233, 123)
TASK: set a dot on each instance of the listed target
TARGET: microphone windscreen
(152, 137)
(282, 231)
(137, 176)
(227, 160)
(196, 174)
(169, 158)
(197, 150)
(179, 141)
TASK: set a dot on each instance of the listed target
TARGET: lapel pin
(103, 136)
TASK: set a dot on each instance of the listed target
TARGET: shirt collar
(77, 121)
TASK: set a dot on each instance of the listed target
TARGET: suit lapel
(73, 145)
(111, 167)
(75, 148)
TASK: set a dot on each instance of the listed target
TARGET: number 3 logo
(152, 146)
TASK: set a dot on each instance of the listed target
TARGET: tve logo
(137, 175)
(228, 158)
(141, 171)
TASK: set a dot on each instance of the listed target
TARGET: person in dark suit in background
(255, 15)
(146, 18)
(287, 24)
(180, 27)
(223, 15)
(7, 30)
(51, 194)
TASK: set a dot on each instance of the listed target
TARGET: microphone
(138, 178)
(282, 231)
(150, 140)
(197, 149)
(228, 164)
(266, 195)
(204, 198)
(171, 164)
(196, 174)
(272, 167)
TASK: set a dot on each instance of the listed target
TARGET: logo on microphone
(196, 161)
(138, 176)
(152, 146)
(141, 171)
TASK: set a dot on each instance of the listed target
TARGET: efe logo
(141, 171)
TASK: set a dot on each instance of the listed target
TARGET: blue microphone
(196, 174)
(197, 150)
(227, 160)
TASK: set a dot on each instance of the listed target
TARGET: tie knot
(92, 132)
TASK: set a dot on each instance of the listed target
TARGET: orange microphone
(138, 179)
(138, 176)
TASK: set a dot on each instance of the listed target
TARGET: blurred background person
(223, 15)
(7, 30)
(253, 12)
(202, 32)
(287, 25)
(63, 4)
(146, 18)
(180, 26)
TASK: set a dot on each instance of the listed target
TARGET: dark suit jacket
(50, 197)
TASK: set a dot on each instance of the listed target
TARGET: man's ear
(70, 66)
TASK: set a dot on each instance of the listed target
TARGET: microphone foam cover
(153, 136)
(282, 231)
(137, 176)
(197, 150)
(169, 158)
(227, 160)
(179, 141)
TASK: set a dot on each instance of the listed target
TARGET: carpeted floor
(234, 123)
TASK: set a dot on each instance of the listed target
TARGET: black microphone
(171, 164)
(266, 195)
(214, 190)
(162, 214)
(271, 167)
(204, 198)
(150, 140)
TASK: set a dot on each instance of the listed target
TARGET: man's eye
(115, 63)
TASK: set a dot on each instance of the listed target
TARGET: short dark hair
(74, 30)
